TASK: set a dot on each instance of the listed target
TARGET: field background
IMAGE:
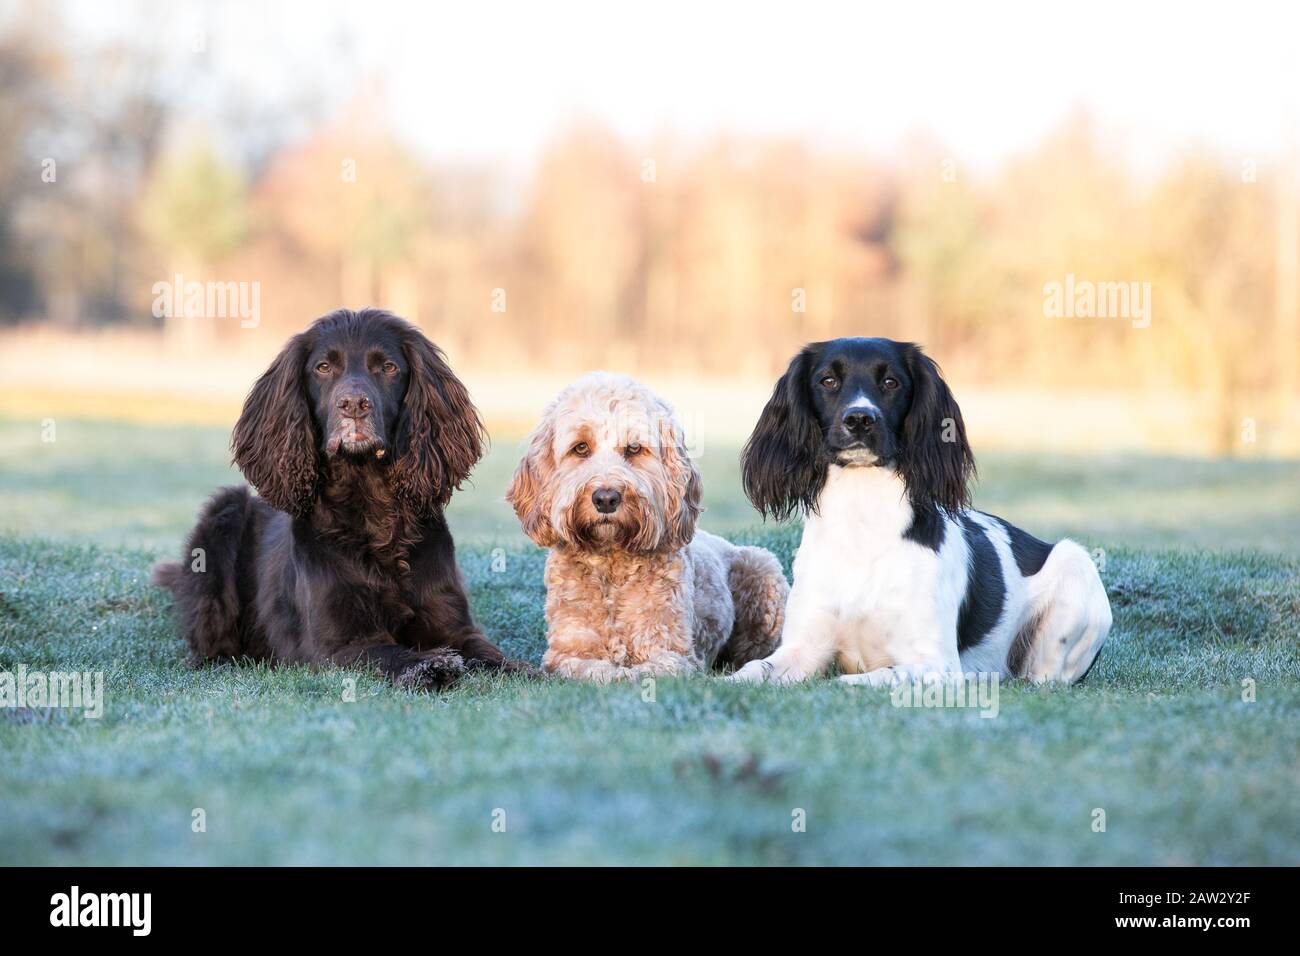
(1201, 566)
(581, 185)
(124, 483)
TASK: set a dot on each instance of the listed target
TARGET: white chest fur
(867, 589)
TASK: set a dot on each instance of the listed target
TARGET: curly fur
(638, 591)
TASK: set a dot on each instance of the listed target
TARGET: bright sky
(494, 80)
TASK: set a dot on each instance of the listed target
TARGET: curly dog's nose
(606, 500)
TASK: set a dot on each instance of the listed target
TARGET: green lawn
(287, 770)
(118, 484)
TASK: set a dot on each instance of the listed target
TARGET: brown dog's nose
(353, 406)
(606, 500)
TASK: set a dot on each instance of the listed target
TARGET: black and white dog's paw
(755, 672)
(897, 674)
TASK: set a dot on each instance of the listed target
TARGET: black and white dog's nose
(860, 421)
(606, 500)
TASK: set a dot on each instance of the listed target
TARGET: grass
(130, 484)
(288, 771)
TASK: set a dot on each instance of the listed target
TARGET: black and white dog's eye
(889, 383)
(829, 382)
(323, 367)
(390, 367)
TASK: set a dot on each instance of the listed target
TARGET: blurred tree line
(716, 257)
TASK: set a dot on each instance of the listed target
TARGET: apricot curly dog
(632, 589)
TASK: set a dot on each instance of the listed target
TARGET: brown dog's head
(607, 469)
(363, 386)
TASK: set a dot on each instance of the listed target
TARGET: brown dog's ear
(439, 434)
(683, 509)
(274, 442)
(529, 489)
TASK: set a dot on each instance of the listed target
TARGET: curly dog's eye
(632, 450)
(582, 449)
(323, 367)
(830, 381)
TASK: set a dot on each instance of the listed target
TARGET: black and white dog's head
(858, 403)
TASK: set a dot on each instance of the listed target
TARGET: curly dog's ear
(783, 467)
(935, 460)
(439, 434)
(274, 442)
(684, 488)
(529, 491)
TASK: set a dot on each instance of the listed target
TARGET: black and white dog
(896, 578)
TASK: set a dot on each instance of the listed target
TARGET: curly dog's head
(607, 469)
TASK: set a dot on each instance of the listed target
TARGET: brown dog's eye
(323, 367)
(390, 367)
(829, 381)
(632, 450)
(889, 383)
(582, 449)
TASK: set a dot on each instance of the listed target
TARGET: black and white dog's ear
(935, 460)
(783, 466)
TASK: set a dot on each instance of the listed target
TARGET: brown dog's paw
(436, 670)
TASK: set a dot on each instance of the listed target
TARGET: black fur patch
(927, 528)
(985, 589)
(1030, 553)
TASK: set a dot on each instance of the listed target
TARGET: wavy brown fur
(355, 438)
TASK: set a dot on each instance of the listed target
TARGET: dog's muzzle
(354, 422)
(858, 437)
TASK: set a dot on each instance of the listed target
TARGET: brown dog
(355, 438)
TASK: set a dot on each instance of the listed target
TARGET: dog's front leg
(667, 664)
(896, 674)
(807, 644)
(660, 638)
(563, 663)
(342, 631)
(576, 645)
(423, 670)
(481, 654)
(580, 652)
(442, 619)
(574, 648)
(921, 655)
